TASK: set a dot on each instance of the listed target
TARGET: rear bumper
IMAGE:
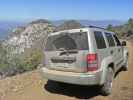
(71, 77)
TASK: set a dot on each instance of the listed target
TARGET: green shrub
(33, 60)
(11, 64)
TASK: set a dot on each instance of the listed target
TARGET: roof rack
(96, 27)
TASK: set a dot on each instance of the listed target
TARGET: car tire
(125, 67)
(61, 84)
(106, 89)
(57, 83)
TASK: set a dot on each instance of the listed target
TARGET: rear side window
(99, 40)
(110, 39)
(67, 41)
(117, 40)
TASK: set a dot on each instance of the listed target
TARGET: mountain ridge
(6, 27)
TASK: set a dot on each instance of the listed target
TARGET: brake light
(91, 57)
(92, 62)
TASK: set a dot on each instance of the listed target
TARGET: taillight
(92, 62)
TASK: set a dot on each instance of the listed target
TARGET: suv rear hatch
(67, 52)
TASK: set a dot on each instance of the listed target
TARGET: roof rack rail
(96, 27)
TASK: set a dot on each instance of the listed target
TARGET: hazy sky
(66, 9)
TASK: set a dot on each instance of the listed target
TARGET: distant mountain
(99, 23)
(32, 35)
(6, 27)
(70, 24)
(4, 32)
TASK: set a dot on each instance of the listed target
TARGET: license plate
(60, 65)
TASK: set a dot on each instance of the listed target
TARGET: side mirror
(123, 43)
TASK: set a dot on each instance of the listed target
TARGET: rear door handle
(111, 52)
(119, 50)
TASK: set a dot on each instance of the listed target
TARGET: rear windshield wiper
(65, 51)
(61, 49)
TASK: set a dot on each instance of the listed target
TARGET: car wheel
(125, 67)
(107, 86)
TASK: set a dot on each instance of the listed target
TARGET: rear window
(67, 41)
(99, 40)
(110, 39)
(117, 40)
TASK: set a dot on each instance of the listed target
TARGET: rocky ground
(31, 86)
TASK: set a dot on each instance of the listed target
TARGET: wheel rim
(110, 79)
(127, 63)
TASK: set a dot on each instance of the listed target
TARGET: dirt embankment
(31, 86)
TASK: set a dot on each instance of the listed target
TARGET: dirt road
(31, 86)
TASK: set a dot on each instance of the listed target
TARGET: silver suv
(85, 56)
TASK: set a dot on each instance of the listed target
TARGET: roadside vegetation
(18, 63)
(123, 31)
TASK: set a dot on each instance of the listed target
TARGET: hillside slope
(31, 86)
(27, 36)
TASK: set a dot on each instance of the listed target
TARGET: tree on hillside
(109, 27)
(130, 21)
(130, 25)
